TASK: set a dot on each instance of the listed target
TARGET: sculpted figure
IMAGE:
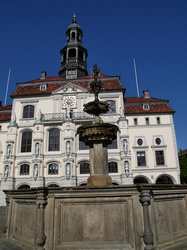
(39, 115)
(126, 167)
(68, 170)
(13, 117)
(35, 173)
(37, 149)
(68, 148)
(125, 145)
(8, 150)
(6, 173)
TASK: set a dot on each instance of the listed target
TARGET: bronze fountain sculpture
(97, 136)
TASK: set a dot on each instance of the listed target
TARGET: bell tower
(73, 55)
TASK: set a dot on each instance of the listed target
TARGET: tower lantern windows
(73, 35)
(64, 56)
(72, 53)
(81, 54)
(79, 37)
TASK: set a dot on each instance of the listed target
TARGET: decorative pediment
(69, 88)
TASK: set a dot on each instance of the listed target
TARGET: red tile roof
(5, 113)
(35, 89)
(32, 88)
(5, 116)
(8, 107)
(48, 79)
(134, 105)
(142, 100)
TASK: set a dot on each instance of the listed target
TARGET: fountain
(99, 216)
(97, 136)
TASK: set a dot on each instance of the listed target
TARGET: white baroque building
(38, 141)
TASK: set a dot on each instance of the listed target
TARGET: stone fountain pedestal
(97, 136)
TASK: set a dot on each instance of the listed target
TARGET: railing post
(145, 200)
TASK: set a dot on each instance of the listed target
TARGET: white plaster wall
(53, 104)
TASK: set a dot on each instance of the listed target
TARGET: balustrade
(61, 116)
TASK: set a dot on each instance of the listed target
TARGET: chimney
(146, 93)
(43, 75)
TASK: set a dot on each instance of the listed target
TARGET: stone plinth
(119, 217)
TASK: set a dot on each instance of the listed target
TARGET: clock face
(69, 102)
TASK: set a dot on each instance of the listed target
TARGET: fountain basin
(96, 107)
(98, 133)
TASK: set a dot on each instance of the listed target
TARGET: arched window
(72, 52)
(84, 168)
(53, 185)
(53, 168)
(112, 167)
(73, 35)
(164, 179)
(80, 54)
(26, 141)
(24, 187)
(24, 169)
(140, 179)
(54, 139)
(111, 106)
(28, 111)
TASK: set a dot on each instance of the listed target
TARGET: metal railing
(77, 116)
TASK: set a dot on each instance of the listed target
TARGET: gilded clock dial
(69, 101)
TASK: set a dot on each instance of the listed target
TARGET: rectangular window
(26, 141)
(83, 146)
(28, 111)
(158, 120)
(146, 106)
(147, 121)
(141, 158)
(54, 139)
(84, 168)
(53, 168)
(135, 121)
(159, 158)
(43, 87)
(113, 145)
(112, 167)
(24, 169)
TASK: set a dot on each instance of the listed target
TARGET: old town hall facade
(39, 145)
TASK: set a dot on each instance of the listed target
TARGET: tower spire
(74, 17)
(73, 55)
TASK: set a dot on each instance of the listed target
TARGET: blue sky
(154, 32)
